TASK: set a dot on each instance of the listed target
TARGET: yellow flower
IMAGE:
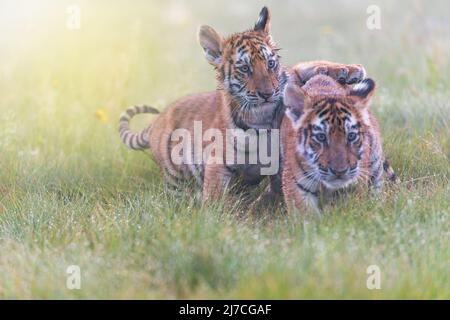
(101, 115)
(326, 30)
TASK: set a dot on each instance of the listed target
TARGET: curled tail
(134, 140)
(390, 174)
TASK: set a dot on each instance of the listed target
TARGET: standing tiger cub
(249, 97)
(330, 140)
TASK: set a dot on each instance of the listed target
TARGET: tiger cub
(330, 140)
(249, 97)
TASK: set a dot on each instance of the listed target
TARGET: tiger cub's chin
(339, 184)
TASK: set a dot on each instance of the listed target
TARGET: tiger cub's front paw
(343, 73)
(356, 73)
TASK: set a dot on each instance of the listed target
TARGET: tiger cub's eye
(352, 136)
(244, 69)
(321, 137)
(271, 64)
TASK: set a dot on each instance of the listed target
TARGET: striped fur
(331, 140)
(139, 140)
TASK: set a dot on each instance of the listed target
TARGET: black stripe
(303, 188)
(230, 63)
(241, 49)
(342, 109)
(173, 179)
(133, 142)
(125, 136)
(320, 104)
(389, 171)
(386, 165)
(305, 134)
(392, 177)
(141, 143)
(231, 169)
(323, 112)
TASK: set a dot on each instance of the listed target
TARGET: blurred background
(125, 52)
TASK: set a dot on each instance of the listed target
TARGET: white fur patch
(295, 120)
(361, 87)
(216, 60)
(365, 117)
(312, 202)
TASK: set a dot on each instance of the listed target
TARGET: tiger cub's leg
(390, 173)
(271, 197)
(300, 193)
(216, 181)
(376, 176)
(177, 182)
(343, 73)
(302, 201)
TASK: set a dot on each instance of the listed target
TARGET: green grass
(72, 194)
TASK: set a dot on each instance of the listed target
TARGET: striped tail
(392, 177)
(139, 140)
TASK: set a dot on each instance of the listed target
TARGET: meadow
(72, 194)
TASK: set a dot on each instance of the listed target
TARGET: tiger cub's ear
(263, 23)
(296, 100)
(362, 92)
(211, 42)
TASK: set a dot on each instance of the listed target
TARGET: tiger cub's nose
(338, 172)
(265, 95)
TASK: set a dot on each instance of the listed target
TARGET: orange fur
(330, 140)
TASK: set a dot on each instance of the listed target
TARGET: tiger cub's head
(330, 123)
(247, 63)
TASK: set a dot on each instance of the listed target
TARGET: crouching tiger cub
(330, 140)
(249, 96)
